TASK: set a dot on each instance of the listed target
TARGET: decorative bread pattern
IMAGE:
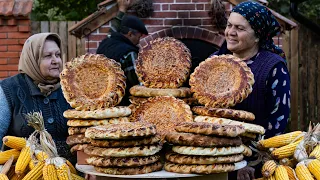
(123, 152)
(198, 169)
(122, 162)
(164, 112)
(87, 122)
(77, 139)
(221, 81)
(251, 128)
(142, 91)
(216, 151)
(190, 139)
(164, 63)
(224, 113)
(247, 151)
(121, 131)
(210, 129)
(112, 112)
(139, 100)
(186, 159)
(249, 135)
(93, 81)
(126, 143)
(76, 130)
(132, 170)
(79, 147)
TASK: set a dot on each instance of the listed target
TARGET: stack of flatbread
(124, 149)
(204, 148)
(93, 85)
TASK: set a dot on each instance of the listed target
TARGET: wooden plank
(63, 32)
(35, 27)
(72, 43)
(294, 75)
(54, 27)
(286, 48)
(317, 45)
(83, 46)
(44, 26)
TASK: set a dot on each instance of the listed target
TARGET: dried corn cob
(72, 169)
(5, 155)
(285, 151)
(36, 172)
(63, 170)
(49, 171)
(17, 177)
(268, 168)
(302, 172)
(281, 140)
(14, 142)
(288, 162)
(3, 177)
(314, 168)
(23, 160)
(76, 177)
(31, 164)
(316, 152)
(40, 155)
(281, 173)
(291, 173)
(271, 178)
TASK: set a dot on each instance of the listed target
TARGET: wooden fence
(71, 46)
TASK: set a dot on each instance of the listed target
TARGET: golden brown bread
(136, 101)
(112, 112)
(77, 139)
(198, 169)
(78, 147)
(93, 81)
(142, 91)
(221, 81)
(214, 151)
(88, 122)
(126, 143)
(76, 130)
(122, 162)
(123, 151)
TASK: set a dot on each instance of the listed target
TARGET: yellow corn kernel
(3, 177)
(6, 155)
(36, 172)
(281, 140)
(271, 178)
(41, 156)
(76, 177)
(314, 168)
(23, 160)
(14, 142)
(49, 172)
(285, 151)
(268, 168)
(316, 152)
(63, 170)
(291, 173)
(281, 173)
(71, 167)
(302, 172)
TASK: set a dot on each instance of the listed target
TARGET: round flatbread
(77, 139)
(164, 112)
(126, 143)
(79, 147)
(164, 63)
(121, 131)
(210, 129)
(139, 100)
(251, 128)
(122, 162)
(249, 135)
(186, 159)
(224, 113)
(93, 81)
(221, 81)
(122, 151)
(198, 169)
(112, 112)
(132, 170)
(190, 139)
(87, 122)
(76, 130)
(142, 91)
(216, 151)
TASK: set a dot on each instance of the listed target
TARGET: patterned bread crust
(221, 81)
(198, 169)
(247, 151)
(126, 143)
(164, 63)
(139, 100)
(210, 129)
(76, 130)
(132, 170)
(112, 112)
(122, 162)
(78, 147)
(87, 122)
(121, 131)
(185, 159)
(164, 112)
(249, 135)
(251, 128)
(224, 113)
(216, 151)
(142, 91)
(77, 139)
(122, 151)
(93, 81)
(190, 139)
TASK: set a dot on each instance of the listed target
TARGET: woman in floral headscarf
(248, 34)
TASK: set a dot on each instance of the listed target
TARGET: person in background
(249, 31)
(36, 88)
(121, 45)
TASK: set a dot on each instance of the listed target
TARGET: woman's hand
(246, 173)
(123, 5)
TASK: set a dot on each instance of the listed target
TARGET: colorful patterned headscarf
(262, 22)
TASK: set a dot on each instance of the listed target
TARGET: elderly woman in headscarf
(36, 88)
(248, 34)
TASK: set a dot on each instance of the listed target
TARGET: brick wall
(13, 33)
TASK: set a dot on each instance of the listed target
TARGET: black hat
(135, 23)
